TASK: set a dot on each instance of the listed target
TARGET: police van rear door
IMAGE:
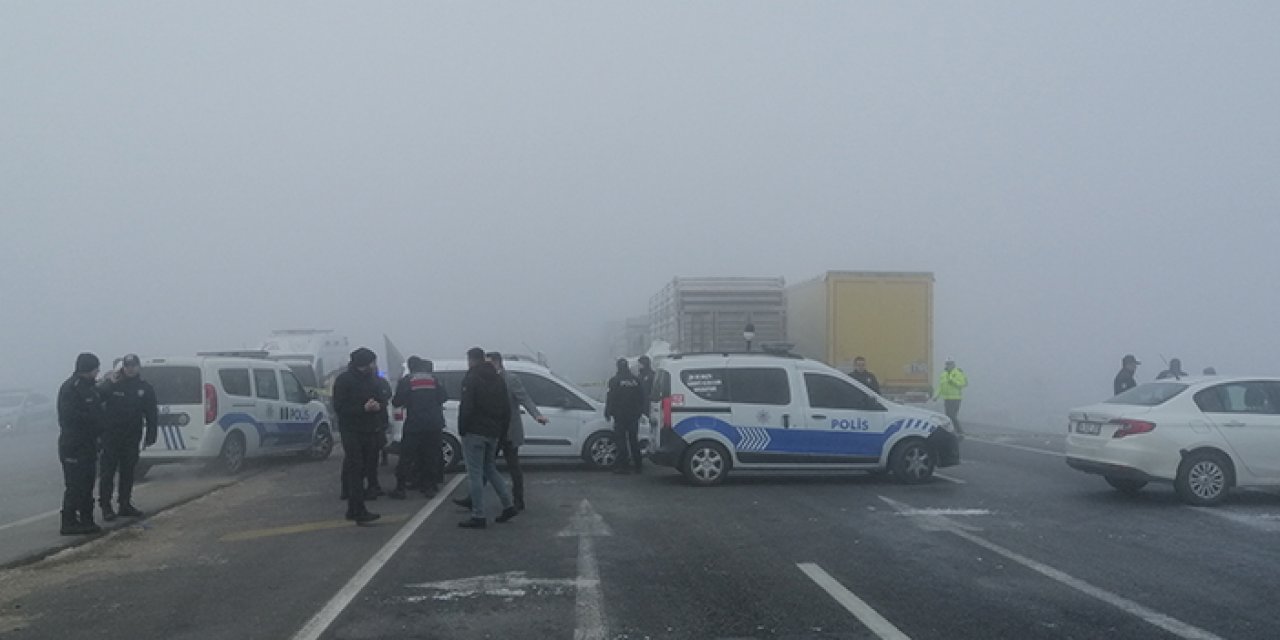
(180, 396)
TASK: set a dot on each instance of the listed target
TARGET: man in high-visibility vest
(951, 389)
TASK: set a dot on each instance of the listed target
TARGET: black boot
(127, 510)
(87, 525)
(473, 523)
(465, 503)
(71, 524)
(108, 514)
(507, 514)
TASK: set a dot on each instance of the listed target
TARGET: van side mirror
(312, 394)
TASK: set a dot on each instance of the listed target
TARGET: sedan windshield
(1149, 394)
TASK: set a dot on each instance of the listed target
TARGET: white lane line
(35, 518)
(1046, 452)
(586, 525)
(852, 603)
(319, 623)
(948, 478)
(1168, 623)
(1268, 522)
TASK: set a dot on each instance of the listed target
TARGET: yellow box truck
(886, 317)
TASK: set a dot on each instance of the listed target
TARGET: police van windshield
(306, 375)
(174, 384)
(1149, 394)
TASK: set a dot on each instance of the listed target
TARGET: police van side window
(827, 392)
(759, 386)
(235, 382)
(265, 382)
(293, 391)
(708, 384)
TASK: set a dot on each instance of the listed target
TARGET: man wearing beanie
(356, 396)
(130, 402)
(80, 419)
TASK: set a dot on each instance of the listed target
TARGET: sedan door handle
(1234, 423)
(818, 417)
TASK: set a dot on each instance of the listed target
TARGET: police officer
(423, 398)
(1124, 379)
(80, 420)
(130, 402)
(355, 400)
(624, 404)
(861, 374)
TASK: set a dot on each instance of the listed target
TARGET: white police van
(575, 429)
(712, 413)
(227, 407)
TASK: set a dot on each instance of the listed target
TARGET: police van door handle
(817, 416)
(786, 421)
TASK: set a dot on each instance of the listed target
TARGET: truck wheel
(705, 463)
(911, 462)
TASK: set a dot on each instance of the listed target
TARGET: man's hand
(372, 406)
(542, 419)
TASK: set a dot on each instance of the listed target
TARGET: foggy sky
(1085, 179)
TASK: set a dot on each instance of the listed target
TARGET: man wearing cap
(80, 420)
(951, 389)
(1124, 380)
(423, 397)
(356, 395)
(129, 403)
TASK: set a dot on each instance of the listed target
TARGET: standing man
(1124, 380)
(355, 400)
(80, 420)
(951, 389)
(624, 404)
(384, 427)
(861, 374)
(130, 402)
(1174, 371)
(510, 445)
(484, 415)
(647, 375)
(423, 398)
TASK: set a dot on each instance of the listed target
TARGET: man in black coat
(484, 415)
(861, 374)
(624, 404)
(130, 403)
(422, 397)
(356, 395)
(80, 421)
(1124, 380)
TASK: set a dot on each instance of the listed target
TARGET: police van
(576, 428)
(714, 413)
(228, 407)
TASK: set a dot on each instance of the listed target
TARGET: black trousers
(952, 407)
(359, 455)
(420, 461)
(511, 454)
(379, 453)
(119, 455)
(79, 470)
(626, 431)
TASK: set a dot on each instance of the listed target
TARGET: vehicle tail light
(666, 413)
(210, 403)
(1132, 427)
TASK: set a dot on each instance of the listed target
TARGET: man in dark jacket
(861, 374)
(484, 415)
(423, 398)
(356, 395)
(509, 445)
(384, 427)
(130, 403)
(624, 404)
(1174, 371)
(1124, 380)
(647, 375)
(80, 422)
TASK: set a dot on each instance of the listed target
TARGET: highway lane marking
(29, 520)
(306, 527)
(1269, 522)
(868, 616)
(948, 478)
(1046, 452)
(587, 525)
(1151, 616)
(319, 623)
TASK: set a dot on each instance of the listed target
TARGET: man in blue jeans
(484, 413)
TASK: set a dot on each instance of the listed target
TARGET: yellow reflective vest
(951, 385)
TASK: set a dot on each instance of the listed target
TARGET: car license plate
(1089, 428)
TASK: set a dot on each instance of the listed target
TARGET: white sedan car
(1205, 435)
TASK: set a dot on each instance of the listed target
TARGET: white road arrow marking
(586, 525)
(501, 585)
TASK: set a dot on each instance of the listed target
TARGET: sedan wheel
(1203, 479)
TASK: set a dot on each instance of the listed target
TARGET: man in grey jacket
(509, 446)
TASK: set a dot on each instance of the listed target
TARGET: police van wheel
(232, 457)
(705, 463)
(450, 452)
(601, 452)
(321, 444)
(912, 462)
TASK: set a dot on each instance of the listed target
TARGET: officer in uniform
(130, 403)
(80, 420)
(423, 398)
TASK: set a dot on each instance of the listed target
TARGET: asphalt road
(1011, 544)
